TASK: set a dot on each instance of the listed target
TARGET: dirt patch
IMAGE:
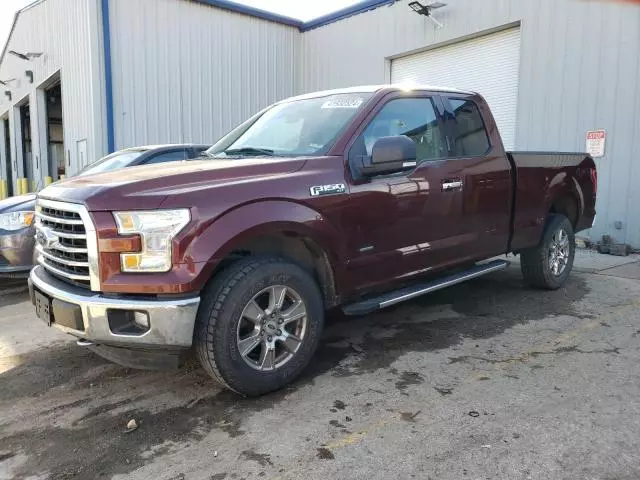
(325, 454)
(42, 370)
(339, 405)
(261, 459)
(409, 378)
(482, 308)
(98, 445)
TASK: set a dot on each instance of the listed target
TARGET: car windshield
(296, 128)
(111, 162)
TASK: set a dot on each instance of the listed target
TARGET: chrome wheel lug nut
(270, 338)
(279, 332)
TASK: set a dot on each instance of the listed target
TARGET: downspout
(108, 84)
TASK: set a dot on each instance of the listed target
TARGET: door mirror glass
(391, 154)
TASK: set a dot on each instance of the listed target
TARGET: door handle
(448, 185)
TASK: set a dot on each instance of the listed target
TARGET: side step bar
(408, 293)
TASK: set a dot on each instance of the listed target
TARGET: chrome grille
(62, 246)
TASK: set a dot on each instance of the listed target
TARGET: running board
(408, 293)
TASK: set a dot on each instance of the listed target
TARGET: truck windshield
(296, 128)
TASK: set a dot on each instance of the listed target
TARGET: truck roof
(376, 88)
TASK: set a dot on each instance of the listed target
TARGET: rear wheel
(549, 264)
(259, 325)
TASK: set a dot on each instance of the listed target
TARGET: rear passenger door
(478, 160)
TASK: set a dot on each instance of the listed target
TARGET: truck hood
(147, 187)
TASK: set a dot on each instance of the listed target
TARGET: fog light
(127, 322)
(141, 319)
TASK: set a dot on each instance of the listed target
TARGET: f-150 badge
(331, 189)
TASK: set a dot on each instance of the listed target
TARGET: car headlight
(157, 229)
(16, 220)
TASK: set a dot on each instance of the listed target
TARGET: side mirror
(391, 154)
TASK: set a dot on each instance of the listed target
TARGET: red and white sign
(595, 143)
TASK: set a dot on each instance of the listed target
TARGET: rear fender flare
(560, 186)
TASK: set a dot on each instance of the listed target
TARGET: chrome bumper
(171, 321)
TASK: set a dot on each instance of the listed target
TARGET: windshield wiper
(250, 151)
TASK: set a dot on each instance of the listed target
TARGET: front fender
(237, 226)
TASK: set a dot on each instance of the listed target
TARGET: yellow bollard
(25, 186)
(19, 186)
(33, 186)
(48, 181)
(62, 177)
(3, 189)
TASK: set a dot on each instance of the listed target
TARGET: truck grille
(62, 249)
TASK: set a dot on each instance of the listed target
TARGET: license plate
(43, 307)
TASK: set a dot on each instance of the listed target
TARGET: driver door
(404, 224)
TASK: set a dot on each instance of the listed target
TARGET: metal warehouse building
(81, 78)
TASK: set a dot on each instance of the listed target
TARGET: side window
(167, 157)
(414, 117)
(468, 132)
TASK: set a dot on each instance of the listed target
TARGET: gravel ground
(486, 380)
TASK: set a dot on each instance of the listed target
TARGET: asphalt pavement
(485, 380)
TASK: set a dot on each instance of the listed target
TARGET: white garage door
(488, 65)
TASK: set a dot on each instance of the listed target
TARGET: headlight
(16, 220)
(156, 229)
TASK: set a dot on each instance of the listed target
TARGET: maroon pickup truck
(358, 198)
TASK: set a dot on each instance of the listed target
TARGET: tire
(227, 316)
(538, 268)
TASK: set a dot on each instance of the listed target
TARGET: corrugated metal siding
(487, 64)
(187, 72)
(67, 32)
(579, 70)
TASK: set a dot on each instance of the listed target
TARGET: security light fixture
(7, 94)
(418, 8)
(25, 56)
(426, 10)
(29, 75)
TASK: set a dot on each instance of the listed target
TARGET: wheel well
(567, 205)
(303, 251)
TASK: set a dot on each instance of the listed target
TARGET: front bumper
(171, 322)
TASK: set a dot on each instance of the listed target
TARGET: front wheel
(259, 324)
(549, 264)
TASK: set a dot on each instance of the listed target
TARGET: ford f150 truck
(358, 198)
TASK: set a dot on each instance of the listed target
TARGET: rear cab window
(467, 130)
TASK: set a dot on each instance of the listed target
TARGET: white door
(488, 65)
(81, 147)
